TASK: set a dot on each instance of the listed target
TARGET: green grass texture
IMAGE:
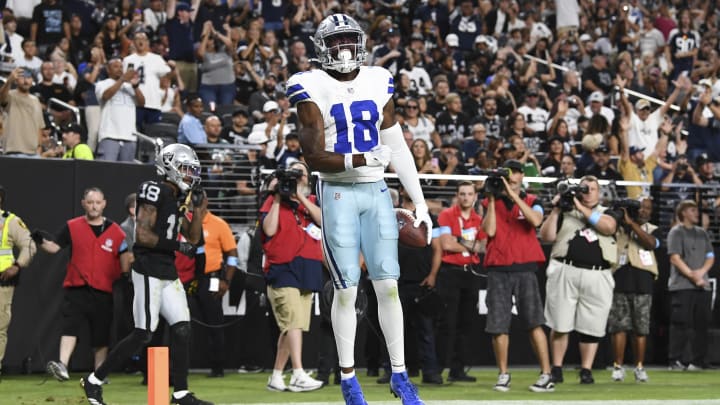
(123, 389)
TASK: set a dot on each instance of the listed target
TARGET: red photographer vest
(515, 240)
(94, 259)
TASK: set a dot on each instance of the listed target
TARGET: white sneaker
(276, 384)
(503, 383)
(640, 375)
(303, 382)
(618, 373)
(543, 384)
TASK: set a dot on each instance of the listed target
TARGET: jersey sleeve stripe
(294, 89)
(391, 86)
(298, 97)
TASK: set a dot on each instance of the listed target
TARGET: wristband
(167, 245)
(232, 261)
(348, 161)
(594, 218)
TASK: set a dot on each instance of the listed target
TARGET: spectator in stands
(171, 86)
(296, 56)
(214, 11)
(567, 167)
(478, 141)
(512, 258)
(301, 20)
(453, 125)
(293, 270)
(637, 239)
(215, 53)
(704, 124)
(601, 167)
(238, 132)
(261, 96)
(596, 107)
(98, 256)
(683, 44)
(691, 258)
(682, 172)
(13, 40)
(190, 130)
(536, 116)
(84, 95)
(119, 95)
(16, 239)
(74, 140)
(494, 124)
(462, 239)
(597, 77)
(273, 128)
(290, 152)
(181, 17)
(420, 126)
(22, 130)
(154, 16)
(151, 68)
(579, 276)
(50, 23)
(550, 166)
(634, 166)
(29, 59)
(47, 89)
(437, 104)
(472, 101)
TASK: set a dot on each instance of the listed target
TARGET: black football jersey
(150, 261)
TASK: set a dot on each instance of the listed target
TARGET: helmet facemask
(340, 44)
(179, 165)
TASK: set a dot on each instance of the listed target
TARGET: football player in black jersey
(158, 291)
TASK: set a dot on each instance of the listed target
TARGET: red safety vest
(94, 259)
(291, 239)
(452, 218)
(515, 240)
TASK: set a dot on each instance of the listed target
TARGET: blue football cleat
(352, 392)
(402, 387)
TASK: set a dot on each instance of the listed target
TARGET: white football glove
(422, 215)
(379, 156)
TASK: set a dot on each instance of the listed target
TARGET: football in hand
(409, 235)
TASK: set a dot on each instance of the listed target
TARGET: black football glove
(197, 196)
(188, 249)
(38, 235)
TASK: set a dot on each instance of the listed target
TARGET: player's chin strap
(404, 166)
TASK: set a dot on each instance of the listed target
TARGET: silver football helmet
(340, 43)
(179, 164)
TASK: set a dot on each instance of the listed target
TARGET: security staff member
(15, 236)
(579, 277)
(461, 239)
(220, 264)
(632, 300)
(512, 258)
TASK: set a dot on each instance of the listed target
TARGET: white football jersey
(352, 112)
(151, 67)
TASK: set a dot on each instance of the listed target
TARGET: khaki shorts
(578, 299)
(291, 307)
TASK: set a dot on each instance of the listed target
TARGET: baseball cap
(507, 146)
(635, 149)
(452, 40)
(553, 139)
(393, 32)
(642, 104)
(474, 81)
(702, 159)
(270, 106)
(585, 38)
(257, 138)
(73, 127)
(705, 82)
(596, 96)
(183, 7)
(532, 91)
(602, 149)
(513, 164)
(240, 111)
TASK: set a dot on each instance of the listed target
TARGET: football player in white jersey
(349, 135)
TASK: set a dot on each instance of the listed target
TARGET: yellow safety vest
(6, 250)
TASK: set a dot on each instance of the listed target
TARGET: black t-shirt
(415, 262)
(152, 261)
(629, 279)
(46, 92)
(50, 20)
(601, 78)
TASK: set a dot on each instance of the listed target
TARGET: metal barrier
(75, 110)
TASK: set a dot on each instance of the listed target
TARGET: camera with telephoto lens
(568, 192)
(632, 206)
(494, 183)
(287, 181)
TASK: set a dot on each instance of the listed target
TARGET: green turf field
(681, 387)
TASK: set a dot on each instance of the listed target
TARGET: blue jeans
(222, 94)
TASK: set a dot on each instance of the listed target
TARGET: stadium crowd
(599, 90)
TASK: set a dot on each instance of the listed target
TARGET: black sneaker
(586, 376)
(384, 379)
(557, 375)
(432, 379)
(216, 373)
(461, 377)
(93, 392)
(188, 399)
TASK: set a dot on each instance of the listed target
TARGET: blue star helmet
(179, 164)
(340, 43)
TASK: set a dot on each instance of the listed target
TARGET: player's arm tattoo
(144, 223)
(312, 140)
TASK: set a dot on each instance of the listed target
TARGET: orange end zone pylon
(158, 376)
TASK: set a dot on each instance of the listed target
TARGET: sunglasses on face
(412, 107)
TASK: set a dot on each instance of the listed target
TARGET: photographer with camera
(579, 279)
(512, 257)
(632, 298)
(290, 220)
(461, 239)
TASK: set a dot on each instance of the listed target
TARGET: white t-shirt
(535, 118)
(151, 67)
(606, 112)
(423, 130)
(645, 133)
(117, 115)
(167, 104)
(568, 13)
(272, 145)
